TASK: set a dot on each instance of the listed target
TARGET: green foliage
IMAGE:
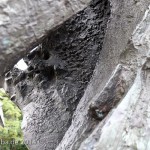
(11, 135)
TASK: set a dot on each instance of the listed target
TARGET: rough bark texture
(67, 105)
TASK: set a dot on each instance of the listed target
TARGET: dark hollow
(64, 68)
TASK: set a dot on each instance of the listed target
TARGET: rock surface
(116, 48)
(127, 127)
(59, 70)
(23, 23)
(73, 67)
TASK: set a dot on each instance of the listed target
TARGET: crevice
(58, 72)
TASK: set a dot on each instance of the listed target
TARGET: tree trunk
(91, 92)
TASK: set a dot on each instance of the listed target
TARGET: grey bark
(69, 102)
